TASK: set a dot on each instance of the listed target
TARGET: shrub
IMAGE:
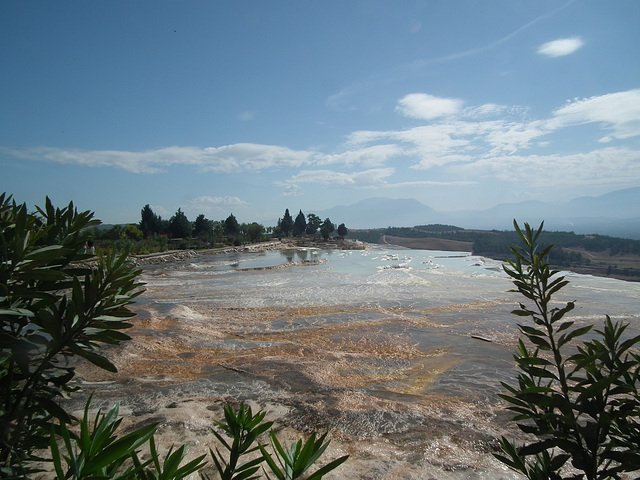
(99, 452)
(579, 400)
(244, 428)
(51, 309)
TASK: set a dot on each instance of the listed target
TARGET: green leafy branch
(51, 309)
(285, 463)
(98, 451)
(580, 400)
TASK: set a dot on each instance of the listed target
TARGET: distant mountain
(616, 213)
(618, 204)
(380, 212)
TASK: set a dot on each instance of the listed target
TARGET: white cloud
(456, 141)
(362, 137)
(373, 177)
(235, 158)
(292, 191)
(461, 143)
(373, 156)
(212, 207)
(435, 145)
(561, 47)
(427, 162)
(251, 157)
(322, 177)
(620, 111)
(427, 107)
(365, 178)
(510, 137)
(608, 166)
(494, 110)
(451, 140)
(207, 202)
(431, 183)
(486, 110)
(134, 162)
(431, 145)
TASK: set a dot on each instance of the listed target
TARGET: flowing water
(399, 354)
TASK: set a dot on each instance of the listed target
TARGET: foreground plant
(289, 464)
(98, 451)
(579, 399)
(51, 309)
(293, 462)
(244, 428)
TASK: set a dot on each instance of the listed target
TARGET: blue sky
(251, 107)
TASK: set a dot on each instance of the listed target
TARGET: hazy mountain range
(616, 214)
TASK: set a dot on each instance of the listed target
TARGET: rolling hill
(615, 214)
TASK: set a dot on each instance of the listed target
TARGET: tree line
(309, 225)
(213, 231)
(154, 233)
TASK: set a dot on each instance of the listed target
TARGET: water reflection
(296, 254)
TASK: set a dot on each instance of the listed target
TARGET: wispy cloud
(504, 148)
(206, 201)
(373, 156)
(561, 47)
(494, 110)
(620, 112)
(365, 178)
(213, 206)
(251, 157)
(431, 183)
(427, 107)
(240, 157)
(292, 190)
(454, 139)
(456, 144)
(133, 162)
(608, 166)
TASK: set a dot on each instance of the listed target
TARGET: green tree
(132, 232)
(114, 233)
(202, 227)
(300, 224)
(342, 230)
(326, 228)
(286, 225)
(580, 401)
(313, 223)
(218, 229)
(51, 310)
(150, 222)
(255, 231)
(179, 225)
(231, 226)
